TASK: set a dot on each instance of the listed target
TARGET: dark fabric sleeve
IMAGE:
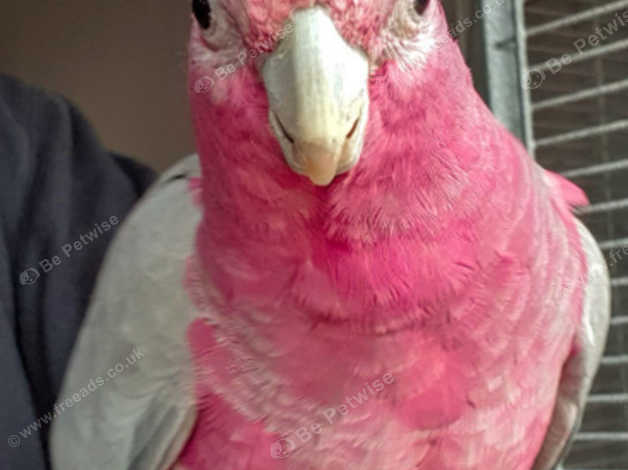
(62, 198)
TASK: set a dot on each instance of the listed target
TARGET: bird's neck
(382, 244)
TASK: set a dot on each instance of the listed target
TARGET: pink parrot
(361, 270)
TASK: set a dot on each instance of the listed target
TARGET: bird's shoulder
(131, 366)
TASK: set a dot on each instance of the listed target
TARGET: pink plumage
(446, 261)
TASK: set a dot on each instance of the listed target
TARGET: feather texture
(424, 311)
(446, 259)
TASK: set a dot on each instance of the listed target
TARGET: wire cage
(556, 73)
(576, 89)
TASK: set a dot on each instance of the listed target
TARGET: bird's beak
(317, 85)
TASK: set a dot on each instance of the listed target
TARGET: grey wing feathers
(130, 367)
(580, 370)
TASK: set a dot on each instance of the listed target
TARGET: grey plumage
(141, 418)
(580, 370)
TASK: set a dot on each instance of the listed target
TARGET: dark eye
(421, 5)
(202, 12)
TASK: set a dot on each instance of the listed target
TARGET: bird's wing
(127, 401)
(580, 369)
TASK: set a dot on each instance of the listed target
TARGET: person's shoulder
(25, 104)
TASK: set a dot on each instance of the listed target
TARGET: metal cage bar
(499, 64)
(597, 169)
(595, 92)
(582, 88)
(576, 18)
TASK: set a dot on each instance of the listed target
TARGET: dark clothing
(62, 198)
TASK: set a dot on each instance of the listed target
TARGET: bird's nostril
(354, 128)
(283, 129)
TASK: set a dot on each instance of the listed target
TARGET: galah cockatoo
(362, 270)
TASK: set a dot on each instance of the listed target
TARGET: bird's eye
(421, 5)
(202, 12)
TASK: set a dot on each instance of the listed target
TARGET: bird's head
(295, 78)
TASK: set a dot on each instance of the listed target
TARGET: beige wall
(121, 61)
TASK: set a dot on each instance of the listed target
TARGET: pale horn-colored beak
(317, 86)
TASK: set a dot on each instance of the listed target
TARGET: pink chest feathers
(470, 389)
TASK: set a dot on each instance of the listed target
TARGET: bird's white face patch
(317, 62)
(406, 34)
(409, 38)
